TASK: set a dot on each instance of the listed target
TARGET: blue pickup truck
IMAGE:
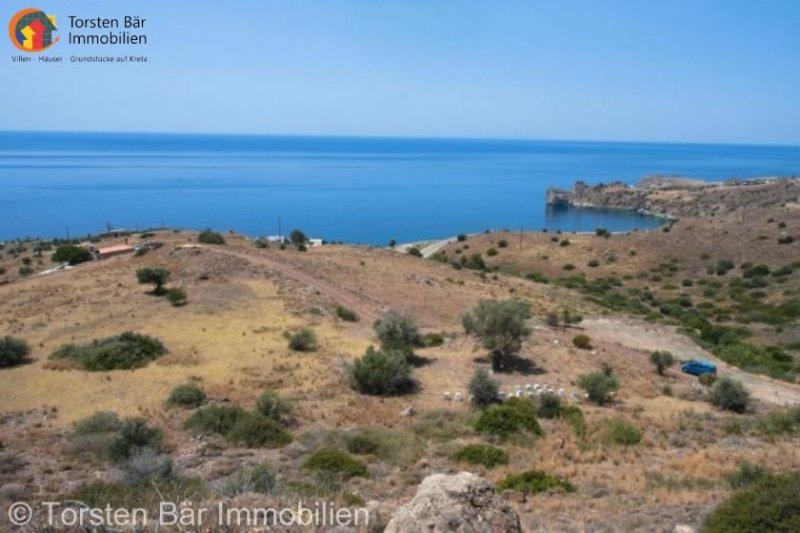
(698, 367)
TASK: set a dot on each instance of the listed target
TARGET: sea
(356, 190)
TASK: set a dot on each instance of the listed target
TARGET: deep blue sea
(359, 190)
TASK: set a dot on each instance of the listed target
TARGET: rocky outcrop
(678, 197)
(463, 502)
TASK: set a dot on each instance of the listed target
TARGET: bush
(549, 405)
(534, 482)
(537, 277)
(146, 464)
(297, 237)
(69, 253)
(346, 314)
(215, 419)
(127, 351)
(270, 405)
(432, 340)
(564, 242)
(258, 478)
(176, 296)
(461, 237)
(500, 326)
(729, 394)
(157, 277)
(304, 340)
(593, 263)
(662, 361)
(413, 250)
(598, 386)
(146, 494)
(502, 243)
(398, 332)
(491, 252)
(745, 475)
(623, 433)
(254, 430)
(767, 506)
(483, 388)
(210, 237)
(99, 422)
(582, 342)
(381, 372)
(335, 462)
(481, 454)
(516, 416)
(474, 262)
(13, 351)
(134, 435)
(25, 270)
(188, 396)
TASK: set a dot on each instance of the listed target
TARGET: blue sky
(678, 70)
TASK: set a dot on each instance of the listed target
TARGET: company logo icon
(31, 30)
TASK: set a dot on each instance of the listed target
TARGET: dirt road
(652, 337)
(368, 311)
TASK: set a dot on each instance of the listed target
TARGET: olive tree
(398, 331)
(153, 276)
(662, 361)
(501, 328)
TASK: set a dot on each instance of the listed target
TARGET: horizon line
(408, 137)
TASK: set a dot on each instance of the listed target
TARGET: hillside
(229, 339)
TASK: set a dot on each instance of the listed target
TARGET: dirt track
(340, 295)
(650, 337)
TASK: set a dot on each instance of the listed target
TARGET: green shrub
(69, 253)
(662, 361)
(215, 419)
(413, 250)
(768, 505)
(127, 351)
(346, 314)
(598, 386)
(13, 351)
(188, 396)
(745, 475)
(564, 242)
(25, 270)
(304, 340)
(582, 341)
(534, 482)
(259, 478)
(335, 462)
(501, 326)
(381, 372)
(729, 394)
(432, 340)
(254, 430)
(549, 405)
(157, 277)
(134, 435)
(537, 277)
(440, 425)
(573, 415)
(593, 263)
(398, 332)
(483, 388)
(461, 237)
(623, 433)
(516, 416)
(481, 454)
(569, 266)
(362, 444)
(210, 237)
(176, 296)
(502, 243)
(99, 422)
(270, 405)
(491, 252)
(474, 262)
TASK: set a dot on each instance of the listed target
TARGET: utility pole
(520, 237)
(67, 228)
(280, 233)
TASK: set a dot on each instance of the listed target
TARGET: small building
(111, 251)
(315, 242)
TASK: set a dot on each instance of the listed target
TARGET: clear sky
(642, 70)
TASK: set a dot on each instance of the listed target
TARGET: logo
(32, 31)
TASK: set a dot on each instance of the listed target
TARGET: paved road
(651, 337)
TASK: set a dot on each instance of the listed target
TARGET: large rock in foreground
(464, 503)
